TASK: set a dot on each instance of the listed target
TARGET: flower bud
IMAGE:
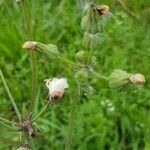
(30, 45)
(119, 79)
(94, 61)
(102, 9)
(81, 56)
(82, 76)
(90, 40)
(85, 23)
(90, 20)
(49, 50)
(137, 78)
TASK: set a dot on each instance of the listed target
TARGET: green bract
(94, 61)
(90, 40)
(119, 79)
(49, 50)
(85, 23)
(81, 56)
(82, 76)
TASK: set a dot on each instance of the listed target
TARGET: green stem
(26, 20)
(100, 76)
(33, 86)
(9, 127)
(28, 27)
(69, 62)
(6, 121)
(72, 119)
(10, 142)
(41, 112)
(10, 96)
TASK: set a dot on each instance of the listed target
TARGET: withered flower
(27, 127)
(137, 78)
(102, 9)
(56, 88)
(30, 45)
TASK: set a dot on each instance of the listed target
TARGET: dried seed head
(57, 95)
(56, 88)
(31, 45)
(137, 78)
(27, 127)
(102, 9)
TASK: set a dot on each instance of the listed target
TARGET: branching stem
(41, 112)
(100, 76)
(69, 62)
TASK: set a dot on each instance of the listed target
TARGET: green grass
(124, 45)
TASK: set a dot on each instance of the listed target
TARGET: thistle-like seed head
(56, 95)
(56, 88)
(137, 78)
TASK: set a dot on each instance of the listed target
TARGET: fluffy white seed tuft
(56, 88)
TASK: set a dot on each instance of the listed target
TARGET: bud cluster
(83, 72)
(91, 24)
(120, 79)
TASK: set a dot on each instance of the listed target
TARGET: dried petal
(102, 9)
(31, 45)
(137, 78)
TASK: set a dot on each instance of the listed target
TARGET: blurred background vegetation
(125, 44)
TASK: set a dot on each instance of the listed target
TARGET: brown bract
(27, 127)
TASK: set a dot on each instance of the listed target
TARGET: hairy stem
(33, 86)
(10, 96)
(72, 118)
(41, 112)
(9, 126)
(127, 9)
(28, 27)
(69, 62)
(100, 76)
(6, 121)
(10, 142)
